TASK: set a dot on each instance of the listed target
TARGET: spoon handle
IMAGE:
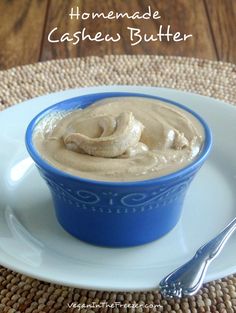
(188, 279)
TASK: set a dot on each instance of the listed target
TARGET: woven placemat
(19, 293)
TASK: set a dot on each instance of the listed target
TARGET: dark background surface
(25, 25)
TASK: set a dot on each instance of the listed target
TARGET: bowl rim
(162, 179)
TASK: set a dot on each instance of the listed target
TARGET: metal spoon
(188, 278)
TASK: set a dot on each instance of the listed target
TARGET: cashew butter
(120, 139)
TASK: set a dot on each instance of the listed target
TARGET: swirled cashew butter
(120, 139)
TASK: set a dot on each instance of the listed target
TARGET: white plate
(33, 243)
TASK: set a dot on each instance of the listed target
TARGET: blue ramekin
(116, 214)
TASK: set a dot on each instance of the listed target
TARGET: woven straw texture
(19, 293)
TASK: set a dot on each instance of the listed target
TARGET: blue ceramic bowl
(115, 214)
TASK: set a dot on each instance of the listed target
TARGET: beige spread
(120, 139)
